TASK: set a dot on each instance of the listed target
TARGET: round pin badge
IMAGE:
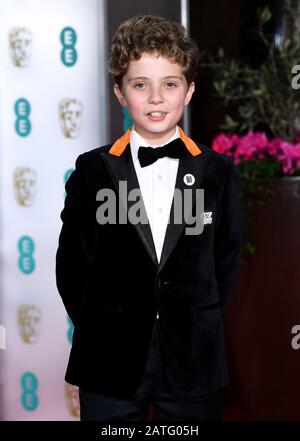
(189, 179)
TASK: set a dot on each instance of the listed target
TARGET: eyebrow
(165, 78)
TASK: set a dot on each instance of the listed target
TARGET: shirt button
(160, 210)
(157, 316)
(159, 177)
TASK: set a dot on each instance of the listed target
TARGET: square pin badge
(207, 217)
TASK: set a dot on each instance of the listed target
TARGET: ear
(120, 95)
(189, 93)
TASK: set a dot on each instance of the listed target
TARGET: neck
(156, 139)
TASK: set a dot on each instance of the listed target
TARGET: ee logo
(68, 39)
(67, 175)
(22, 111)
(29, 397)
(26, 249)
(70, 330)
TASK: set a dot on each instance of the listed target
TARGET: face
(20, 44)
(70, 117)
(155, 91)
(29, 318)
(25, 185)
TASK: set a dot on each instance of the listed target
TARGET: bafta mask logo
(25, 185)
(20, 45)
(72, 399)
(70, 117)
(29, 323)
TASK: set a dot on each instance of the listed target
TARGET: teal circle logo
(22, 110)
(26, 260)
(26, 245)
(70, 330)
(29, 397)
(68, 174)
(68, 39)
(127, 121)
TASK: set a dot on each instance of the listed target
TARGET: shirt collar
(118, 147)
(137, 140)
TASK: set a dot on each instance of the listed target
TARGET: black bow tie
(148, 155)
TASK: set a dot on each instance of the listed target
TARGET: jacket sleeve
(70, 255)
(228, 236)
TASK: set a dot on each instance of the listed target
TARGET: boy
(146, 294)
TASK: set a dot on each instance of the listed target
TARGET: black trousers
(154, 394)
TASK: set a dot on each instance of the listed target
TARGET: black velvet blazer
(112, 285)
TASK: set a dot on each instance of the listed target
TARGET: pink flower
(252, 146)
(225, 143)
(297, 155)
(289, 157)
(274, 147)
(255, 145)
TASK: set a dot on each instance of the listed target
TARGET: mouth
(156, 116)
(156, 113)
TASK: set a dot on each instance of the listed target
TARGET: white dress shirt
(157, 184)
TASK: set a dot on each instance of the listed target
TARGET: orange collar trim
(119, 146)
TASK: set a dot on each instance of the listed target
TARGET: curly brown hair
(152, 34)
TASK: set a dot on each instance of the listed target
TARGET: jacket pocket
(208, 307)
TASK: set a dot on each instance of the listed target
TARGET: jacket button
(163, 284)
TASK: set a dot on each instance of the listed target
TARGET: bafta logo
(20, 45)
(70, 117)
(25, 185)
(29, 322)
(72, 399)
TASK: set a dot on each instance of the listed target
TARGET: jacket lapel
(121, 168)
(189, 168)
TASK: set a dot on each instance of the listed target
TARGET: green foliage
(261, 96)
(253, 176)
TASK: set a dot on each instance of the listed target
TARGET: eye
(170, 85)
(139, 85)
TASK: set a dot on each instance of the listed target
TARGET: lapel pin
(189, 179)
(207, 217)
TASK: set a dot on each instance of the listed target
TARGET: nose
(155, 95)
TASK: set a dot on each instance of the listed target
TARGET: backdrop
(52, 108)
